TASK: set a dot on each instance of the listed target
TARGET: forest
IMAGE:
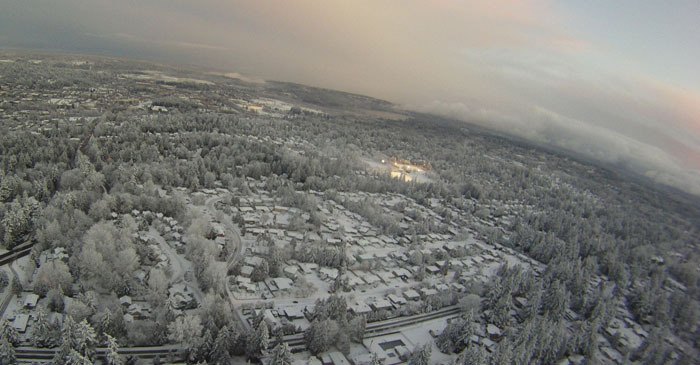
(607, 242)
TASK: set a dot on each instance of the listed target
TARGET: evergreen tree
(500, 314)
(221, 348)
(281, 355)
(320, 335)
(84, 339)
(43, 330)
(258, 341)
(556, 300)
(534, 303)
(112, 356)
(8, 332)
(205, 346)
(504, 354)
(421, 355)
(76, 358)
(7, 352)
(474, 355)
(66, 347)
(186, 330)
(356, 328)
(456, 333)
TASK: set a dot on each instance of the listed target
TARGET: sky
(616, 81)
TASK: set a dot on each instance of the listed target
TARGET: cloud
(188, 46)
(547, 127)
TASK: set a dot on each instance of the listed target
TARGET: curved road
(234, 238)
(232, 235)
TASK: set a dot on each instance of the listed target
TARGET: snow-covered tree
(474, 355)
(18, 220)
(53, 275)
(7, 352)
(66, 346)
(556, 300)
(186, 330)
(356, 328)
(44, 332)
(112, 356)
(421, 355)
(8, 332)
(455, 334)
(258, 341)
(76, 358)
(321, 335)
(221, 349)
(84, 339)
(281, 355)
(76, 338)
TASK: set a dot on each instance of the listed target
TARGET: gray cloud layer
(511, 65)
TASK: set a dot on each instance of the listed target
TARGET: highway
(297, 343)
(167, 354)
(16, 252)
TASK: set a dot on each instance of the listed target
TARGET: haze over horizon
(613, 81)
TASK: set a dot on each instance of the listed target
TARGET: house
(20, 322)
(293, 313)
(139, 311)
(365, 257)
(458, 287)
(396, 300)
(520, 302)
(370, 278)
(280, 284)
(328, 273)
(334, 358)
(308, 268)
(432, 269)
(457, 264)
(355, 281)
(398, 255)
(388, 350)
(428, 292)
(493, 331)
(245, 284)
(246, 271)
(402, 273)
(385, 276)
(253, 261)
(31, 300)
(442, 287)
(411, 295)
(360, 308)
(291, 271)
(489, 344)
(140, 276)
(181, 297)
(125, 301)
(296, 235)
(381, 304)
